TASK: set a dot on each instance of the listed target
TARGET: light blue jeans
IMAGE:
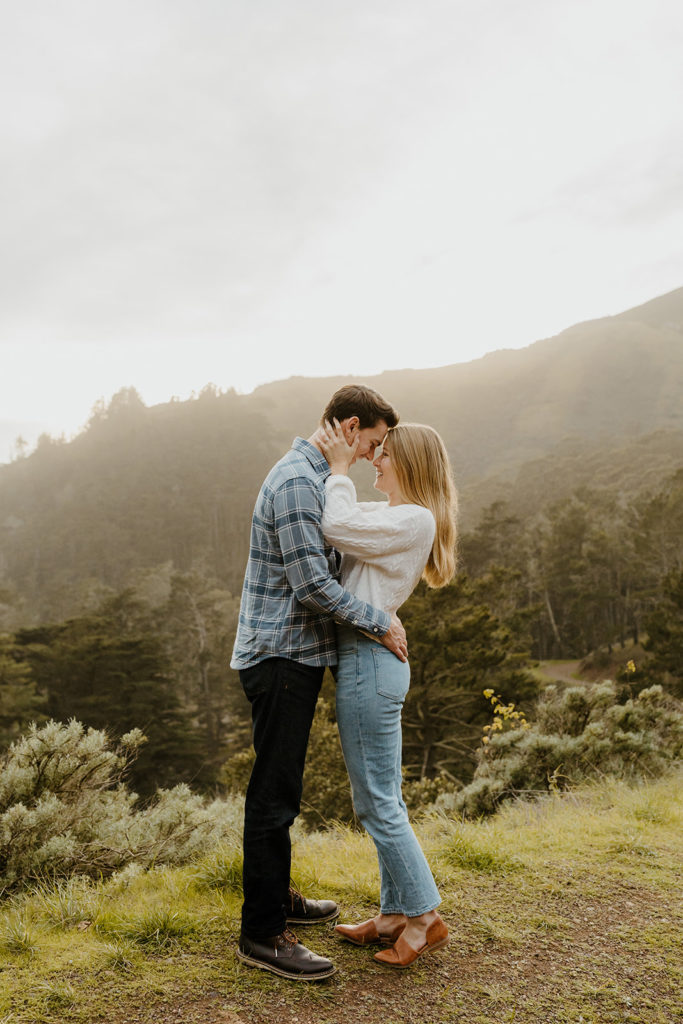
(371, 688)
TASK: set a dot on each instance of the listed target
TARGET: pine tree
(664, 626)
(92, 671)
(20, 701)
(198, 623)
(458, 648)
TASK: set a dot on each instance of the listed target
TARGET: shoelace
(286, 939)
(294, 894)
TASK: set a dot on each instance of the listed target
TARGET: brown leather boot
(403, 955)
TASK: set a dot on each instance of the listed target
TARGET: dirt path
(564, 671)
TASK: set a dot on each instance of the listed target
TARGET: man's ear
(350, 427)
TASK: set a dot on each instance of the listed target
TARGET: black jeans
(283, 695)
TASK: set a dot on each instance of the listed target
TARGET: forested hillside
(623, 466)
(618, 377)
(141, 486)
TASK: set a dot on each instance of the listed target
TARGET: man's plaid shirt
(291, 596)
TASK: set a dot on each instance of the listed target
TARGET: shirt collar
(315, 457)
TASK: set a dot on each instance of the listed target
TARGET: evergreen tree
(92, 670)
(198, 622)
(20, 702)
(664, 626)
(458, 648)
(497, 539)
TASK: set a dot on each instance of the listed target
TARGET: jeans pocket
(257, 679)
(392, 677)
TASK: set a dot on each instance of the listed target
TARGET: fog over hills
(600, 404)
(617, 377)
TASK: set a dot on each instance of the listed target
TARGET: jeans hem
(411, 913)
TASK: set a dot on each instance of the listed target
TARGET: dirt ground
(595, 959)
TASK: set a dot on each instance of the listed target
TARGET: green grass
(155, 928)
(70, 902)
(560, 909)
(16, 937)
(220, 870)
(461, 849)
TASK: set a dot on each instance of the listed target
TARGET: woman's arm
(337, 451)
(373, 529)
(296, 521)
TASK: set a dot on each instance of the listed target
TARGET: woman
(386, 547)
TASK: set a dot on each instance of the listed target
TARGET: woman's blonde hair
(423, 470)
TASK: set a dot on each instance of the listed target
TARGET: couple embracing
(324, 579)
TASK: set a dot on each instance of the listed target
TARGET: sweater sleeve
(371, 530)
(296, 508)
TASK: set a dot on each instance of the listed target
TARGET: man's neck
(313, 439)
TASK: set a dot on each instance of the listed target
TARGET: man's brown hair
(361, 401)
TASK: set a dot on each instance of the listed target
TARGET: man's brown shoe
(403, 955)
(366, 934)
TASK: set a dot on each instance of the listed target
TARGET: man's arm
(297, 517)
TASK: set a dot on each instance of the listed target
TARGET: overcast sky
(237, 191)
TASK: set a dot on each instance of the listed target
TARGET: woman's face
(385, 480)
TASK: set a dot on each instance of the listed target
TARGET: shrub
(419, 794)
(65, 810)
(581, 732)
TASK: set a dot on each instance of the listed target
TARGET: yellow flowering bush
(504, 715)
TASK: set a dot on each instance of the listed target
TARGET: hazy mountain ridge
(636, 466)
(177, 481)
(616, 377)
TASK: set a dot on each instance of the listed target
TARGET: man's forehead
(378, 432)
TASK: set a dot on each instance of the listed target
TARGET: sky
(237, 191)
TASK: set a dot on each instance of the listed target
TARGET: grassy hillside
(566, 910)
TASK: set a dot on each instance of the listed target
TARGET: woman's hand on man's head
(336, 449)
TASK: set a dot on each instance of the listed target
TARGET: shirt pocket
(392, 677)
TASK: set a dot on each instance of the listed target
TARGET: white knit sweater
(384, 548)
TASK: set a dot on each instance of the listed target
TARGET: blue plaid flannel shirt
(291, 595)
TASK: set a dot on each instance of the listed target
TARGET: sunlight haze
(237, 193)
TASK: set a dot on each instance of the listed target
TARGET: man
(285, 638)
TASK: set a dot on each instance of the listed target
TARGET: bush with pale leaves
(580, 733)
(65, 809)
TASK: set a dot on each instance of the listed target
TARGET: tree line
(176, 482)
(580, 578)
(588, 570)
